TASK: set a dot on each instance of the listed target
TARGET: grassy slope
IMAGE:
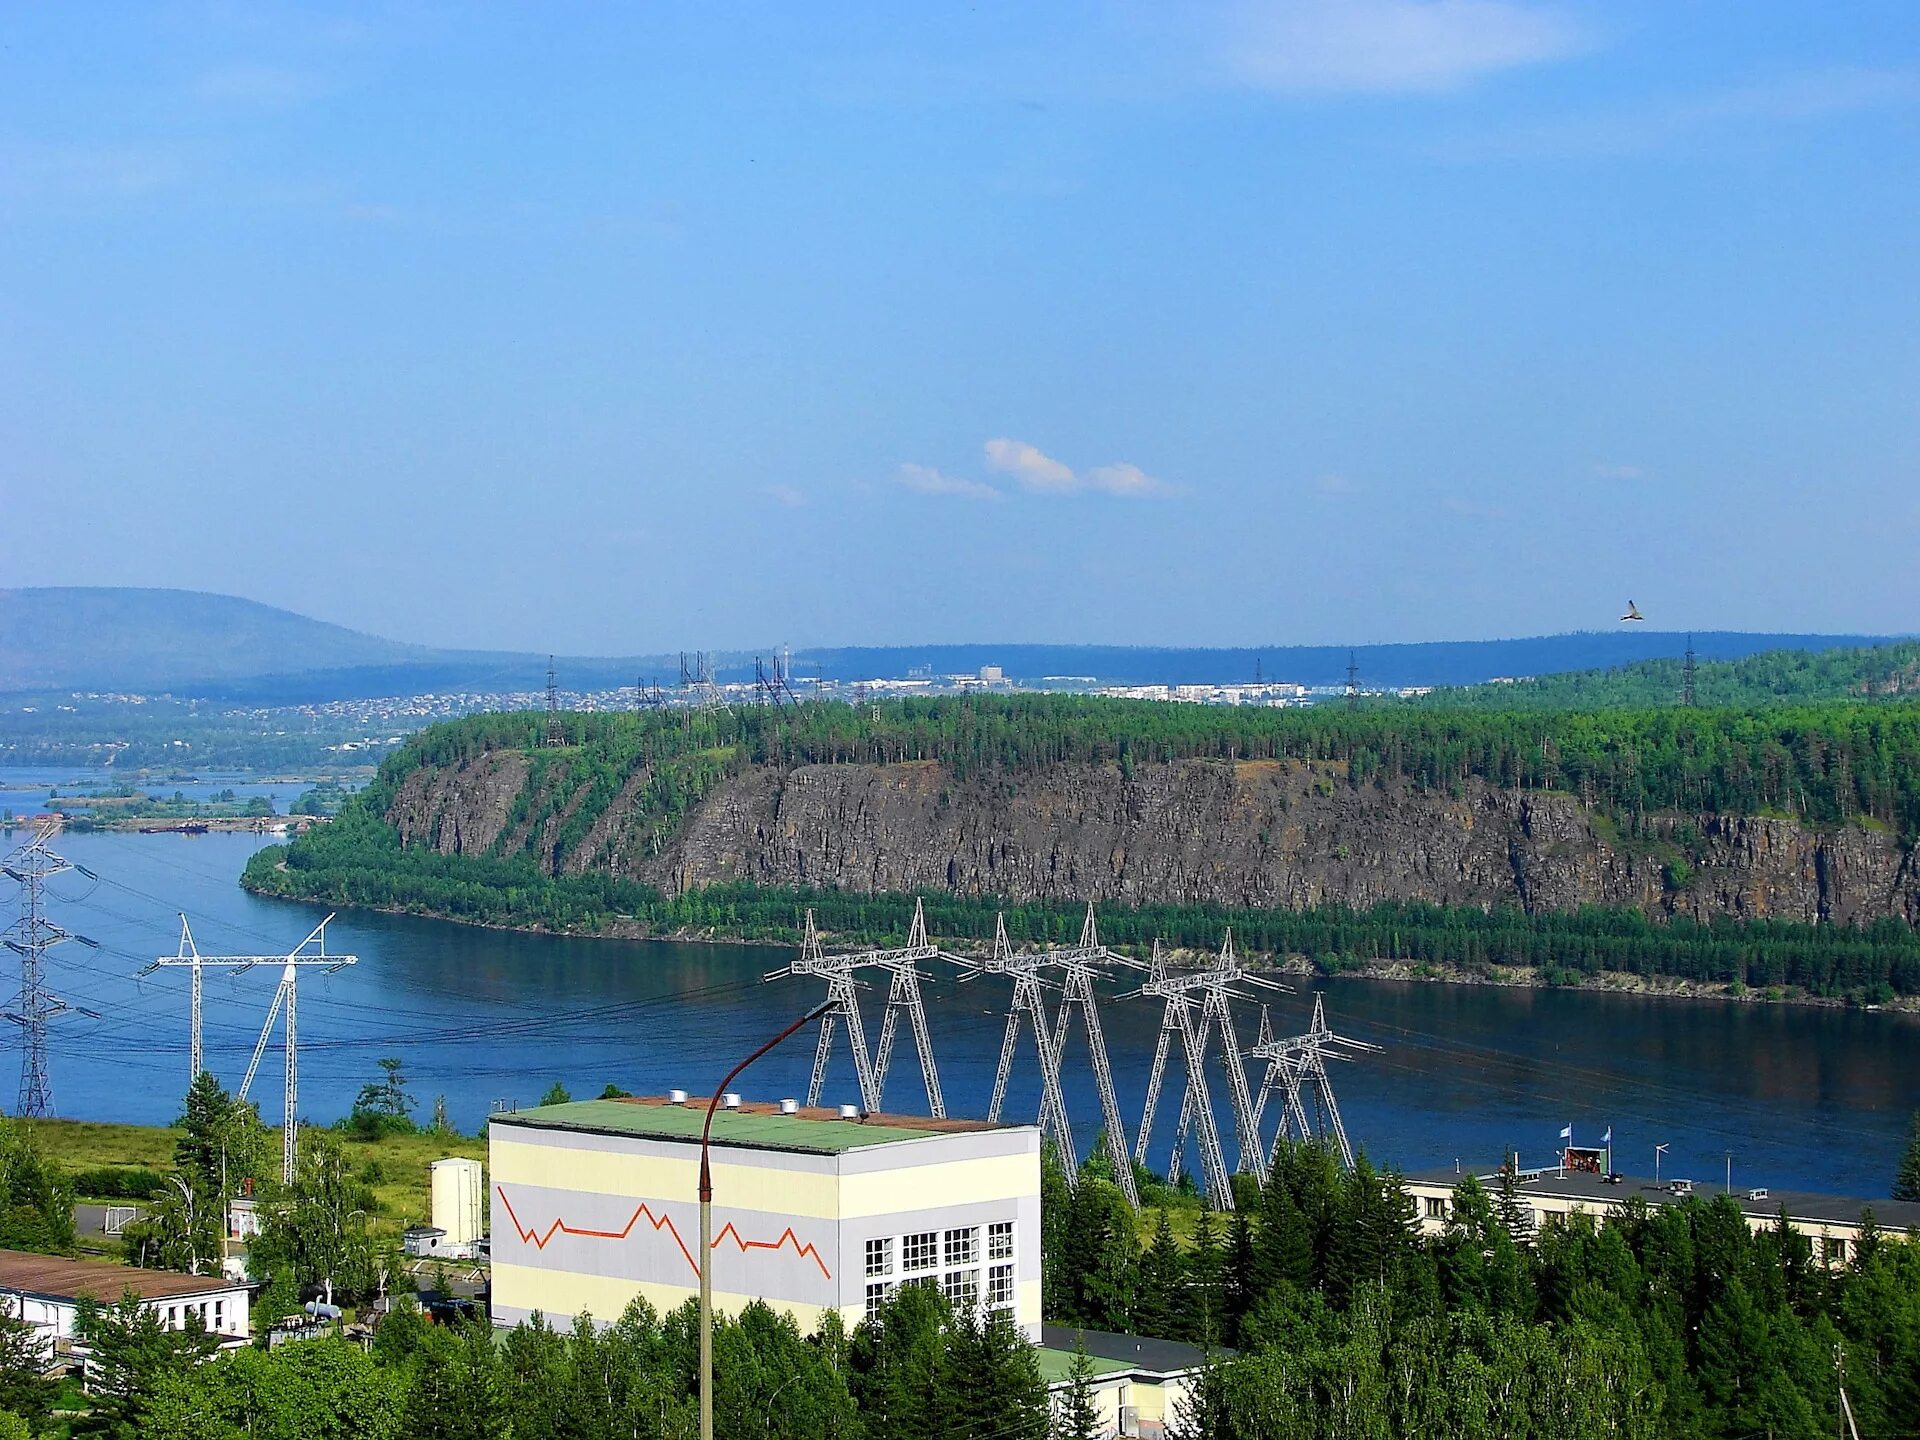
(402, 1193)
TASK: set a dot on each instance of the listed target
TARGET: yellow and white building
(594, 1203)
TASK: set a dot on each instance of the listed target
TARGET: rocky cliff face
(1261, 833)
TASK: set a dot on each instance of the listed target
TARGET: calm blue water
(1811, 1098)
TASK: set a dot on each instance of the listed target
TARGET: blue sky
(619, 328)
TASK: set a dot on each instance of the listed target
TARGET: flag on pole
(1567, 1134)
(1607, 1139)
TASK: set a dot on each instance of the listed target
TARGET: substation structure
(1197, 1011)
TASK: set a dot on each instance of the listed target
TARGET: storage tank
(456, 1200)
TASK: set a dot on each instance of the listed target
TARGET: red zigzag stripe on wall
(539, 1238)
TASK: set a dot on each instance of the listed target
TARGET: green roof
(1058, 1364)
(748, 1128)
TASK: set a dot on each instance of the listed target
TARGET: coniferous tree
(1163, 1284)
(1906, 1179)
(1079, 1417)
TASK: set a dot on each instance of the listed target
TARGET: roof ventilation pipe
(676, 1097)
(731, 1100)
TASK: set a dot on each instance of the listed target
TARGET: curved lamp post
(706, 1217)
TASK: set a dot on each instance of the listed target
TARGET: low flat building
(594, 1203)
(45, 1291)
(1831, 1222)
(1139, 1385)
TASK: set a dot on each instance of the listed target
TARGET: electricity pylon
(1300, 1063)
(30, 937)
(1197, 1003)
(190, 957)
(287, 995)
(1077, 965)
(903, 996)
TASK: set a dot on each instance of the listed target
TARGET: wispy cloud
(1471, 509)
(1661, 124)
(1392, 46)
(1333, 485)
(260, 87)
(1619, 472)
(929, 481)
(788, 495)
(86, 171)
(1035, 470)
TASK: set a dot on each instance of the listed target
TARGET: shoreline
(1518, 977)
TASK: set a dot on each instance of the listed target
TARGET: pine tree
(1079, 1417)
(1163, 1283)
(1240, 1275)
(1906, 1180)
(1207, 1283)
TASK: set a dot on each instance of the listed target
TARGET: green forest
(1771, 677)
(1830, 764)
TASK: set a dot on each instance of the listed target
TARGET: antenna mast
(1686, 676)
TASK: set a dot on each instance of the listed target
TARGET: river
(1803, 1097)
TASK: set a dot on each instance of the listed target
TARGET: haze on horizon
(612, 330)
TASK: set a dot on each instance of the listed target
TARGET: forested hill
(1771, 677)
(1550, 838)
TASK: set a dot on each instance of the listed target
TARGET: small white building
(1140, 1386)
(458, 1204)
(45, 1292)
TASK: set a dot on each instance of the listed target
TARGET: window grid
(880, 1256)
(1000, 1240)
(963, 1246)
(1000, 1287)
(919, 1251)
(961, 1287)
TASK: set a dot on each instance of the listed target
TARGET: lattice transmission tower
(286, 997)
(1687, 676)
(555, 737)
(30, 937)
(903, 998)
(1077, 966)
(1199, 1002)
(1297, 1071)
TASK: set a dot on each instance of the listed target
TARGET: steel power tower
(1077, 966)
(1686, 676)
(286, 995)
(1300, 1063)
(30, 937)
(1198, 1002)
(903, 995)
(555, 737)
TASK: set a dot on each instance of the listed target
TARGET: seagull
(1633, 613)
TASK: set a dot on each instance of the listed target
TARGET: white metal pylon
(903, 994)
(1299, 1064)
(1198, 1003)
(286, 996)
(195, 963)
(1078, 965)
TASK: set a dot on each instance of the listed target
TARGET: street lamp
(706, 1217)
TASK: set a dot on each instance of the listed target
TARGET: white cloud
(1392, 46)
(787, 495)
(929, 481)
(1031, 466)
(1039, 472)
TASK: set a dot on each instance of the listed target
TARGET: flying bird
(1633, 613)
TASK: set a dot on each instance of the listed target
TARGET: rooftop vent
(676, 1097)
(731, 1100)
(849, 1112)
(789, 1107)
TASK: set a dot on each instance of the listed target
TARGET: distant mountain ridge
(225, 648)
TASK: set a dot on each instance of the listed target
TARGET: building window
(219, 1314)
(1000, 1287)
(962, 1246)
(1000, 1240)
(962, 1288)
(880, 1256)
(877, 1295)
(1836, 1250)
(920, 1252)
(1436, 1207)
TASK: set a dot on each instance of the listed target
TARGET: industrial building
(1575, 1186)
(459, 1213)
(45, 1292)
(814, 1209)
